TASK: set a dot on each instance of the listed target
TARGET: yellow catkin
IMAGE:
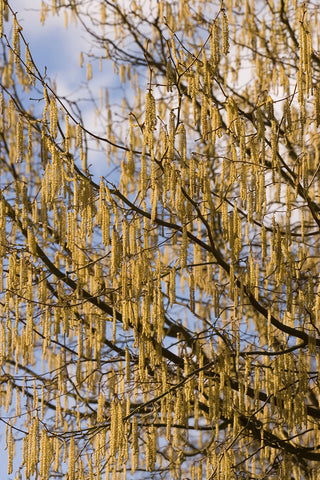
(172, 134)
(1, 17)
(78, 136)
(182, 142)
(10, 448)
(134, 445)
(34, 444)
(215, 43)
(72, 458)
(89, 71)
(53, 117)
(67, 134)
(101, 406)
(103, 13)
(46, 455)
(32, 242)
(150, 115)
(66, 19)
(225, 33)
(81, 59)
(19, 140)
(16, 41)
(204, 116)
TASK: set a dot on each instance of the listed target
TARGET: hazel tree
(162, 321)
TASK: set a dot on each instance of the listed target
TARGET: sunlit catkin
(10, 448)
(19, 140)
(89, 71)
(215, 43)
(72, 459)
(182, 147)
(1, 17)
(225, 33)
(204, 113)
(150, 114)
(45, 455)
(53, 117)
